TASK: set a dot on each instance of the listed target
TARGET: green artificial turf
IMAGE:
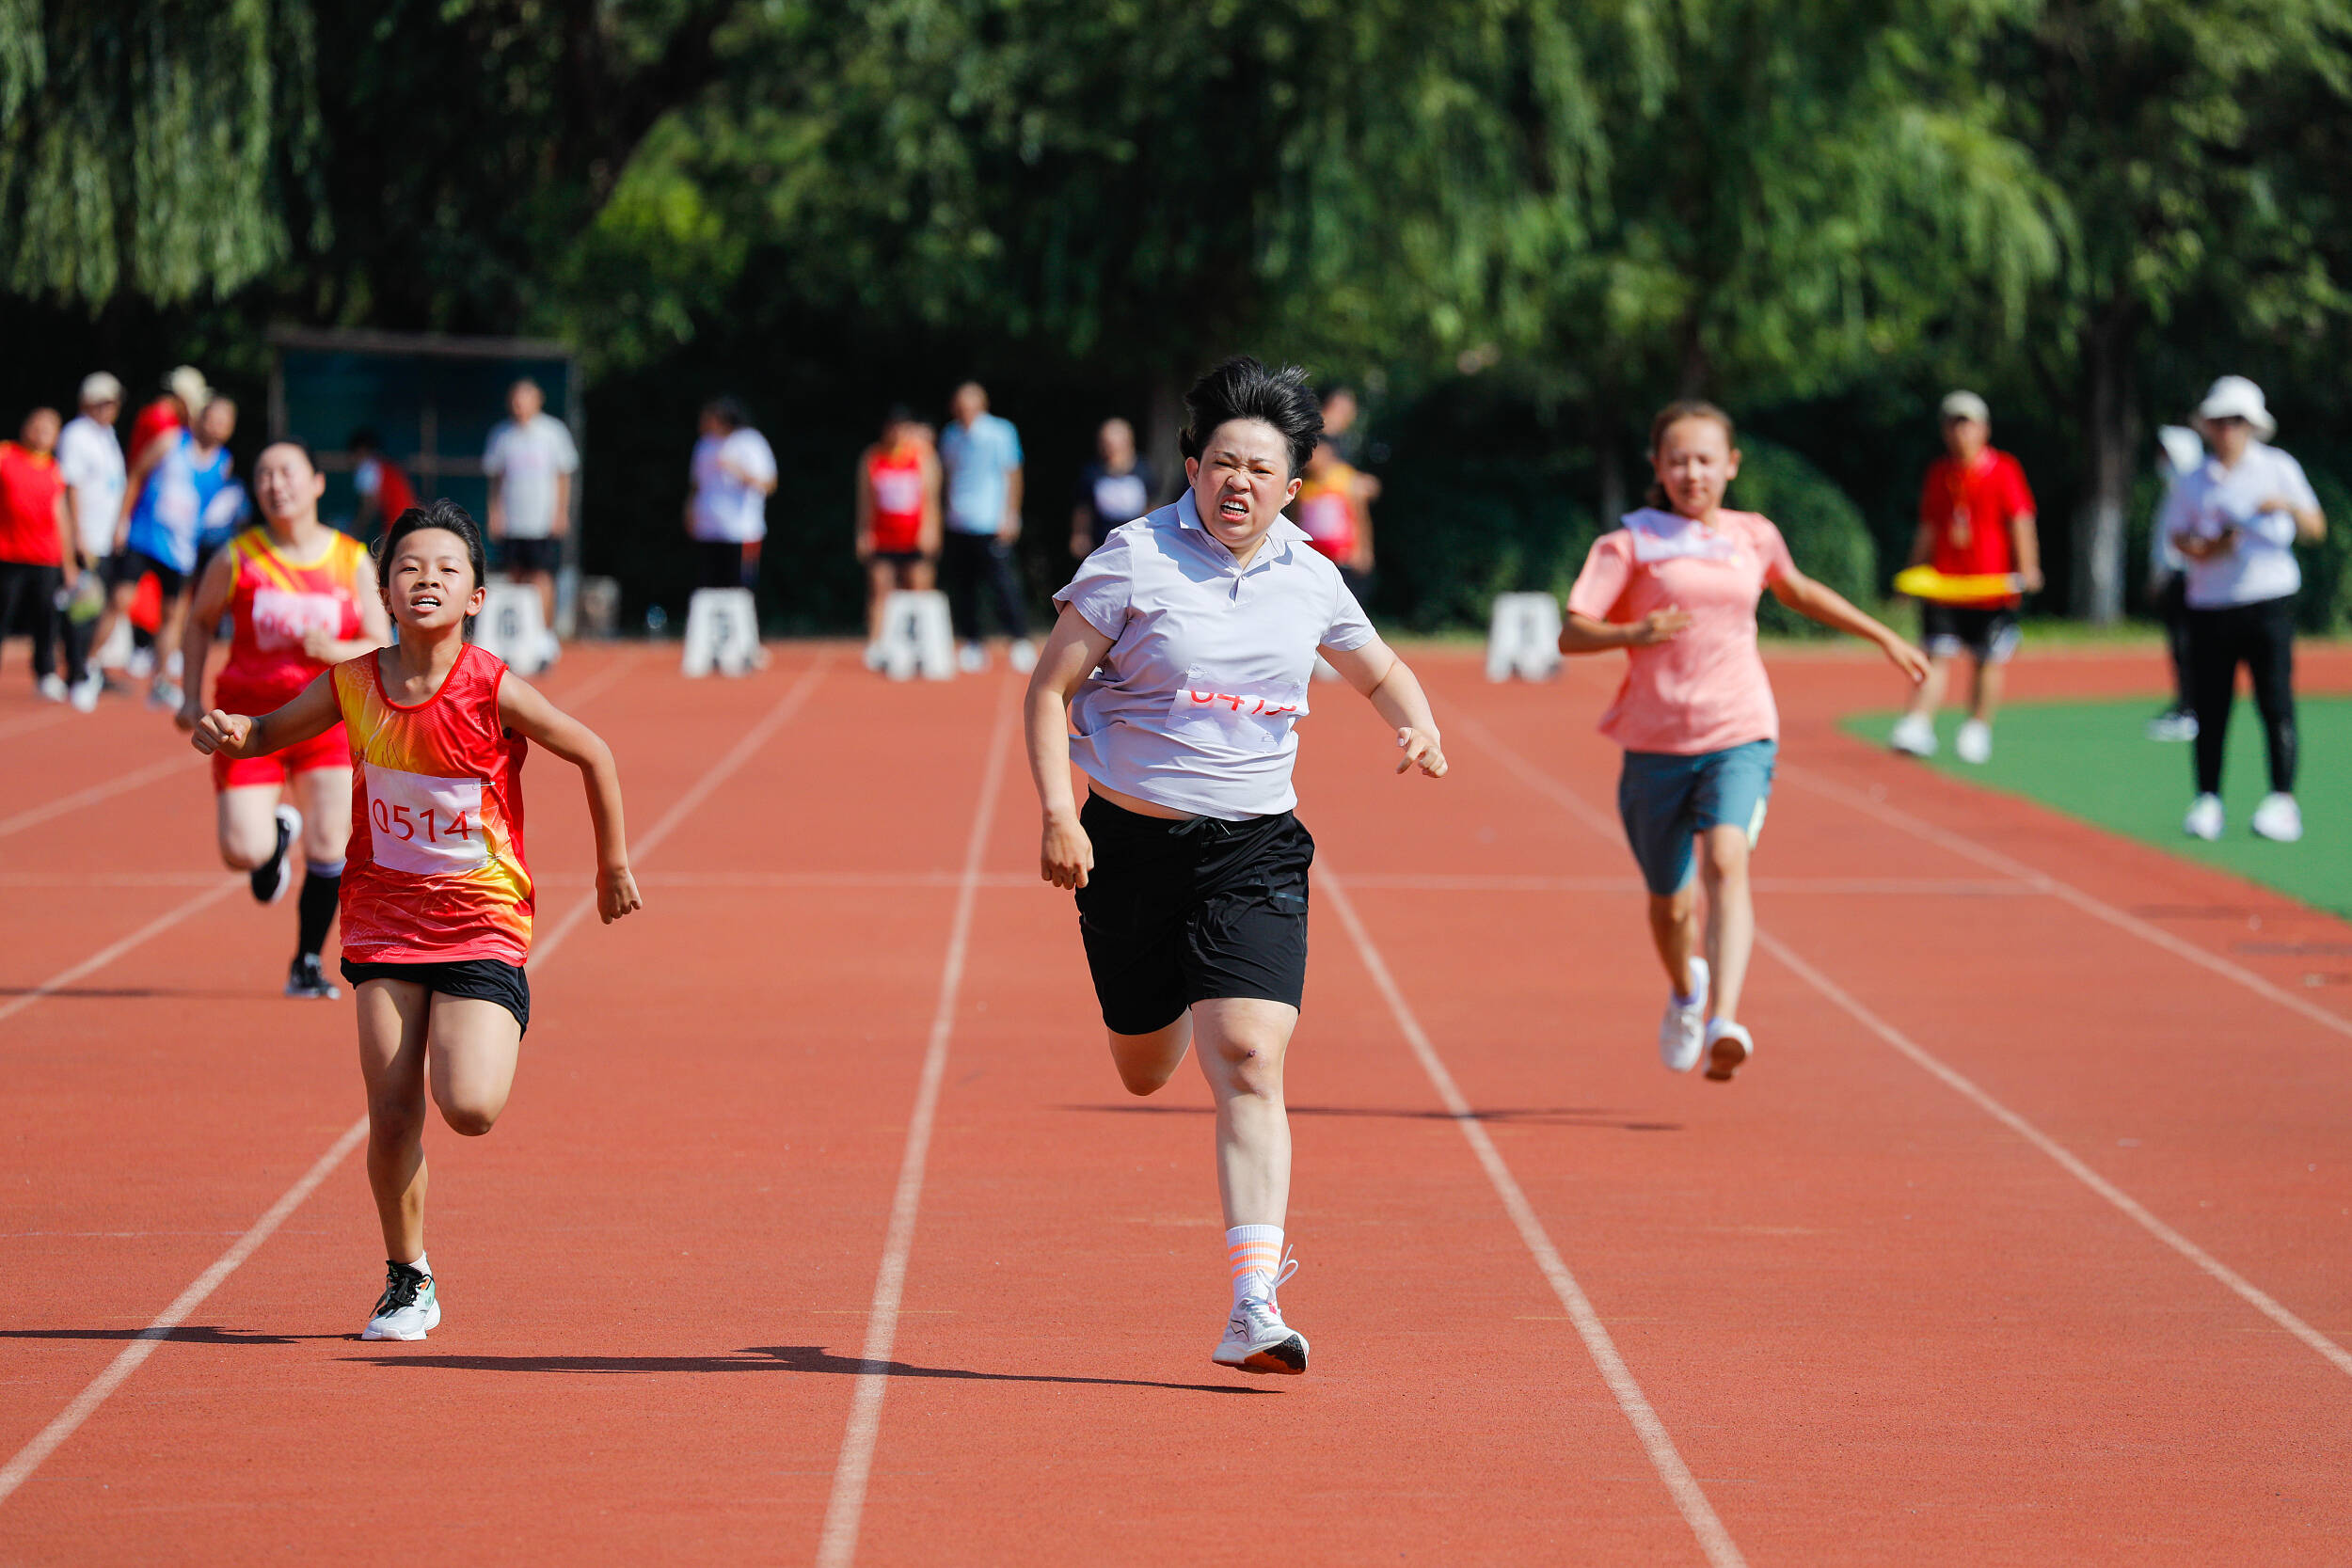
(2092, 761)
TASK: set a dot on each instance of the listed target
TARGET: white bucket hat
(2234, 397)
(1966, 405)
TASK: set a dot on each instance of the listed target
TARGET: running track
(818, 1230)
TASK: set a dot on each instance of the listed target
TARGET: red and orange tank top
(436, 873)
(896, 477)
(1327, 512)
(273, 602)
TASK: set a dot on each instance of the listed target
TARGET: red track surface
(1874, 1321)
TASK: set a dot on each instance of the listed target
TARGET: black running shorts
(480, 979)
(1179, 913)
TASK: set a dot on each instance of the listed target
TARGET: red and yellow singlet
(436, 872)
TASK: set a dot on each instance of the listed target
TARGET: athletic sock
(1255, 1251)
(321, 890)
(423, 1266)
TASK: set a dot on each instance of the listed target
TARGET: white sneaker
(876, 660)
(971, 658)
(51, 688)
(165, 697)
(1728, 1046)
(1915, 736)
(1022, 656)
(2278, 817)
(2205, 819)
(409, 1307)
(1256, 1337)
(1682, 1032)
(2176, 724)
(85, 693)
(1974, 743)
(141, 663)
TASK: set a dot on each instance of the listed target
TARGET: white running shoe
(875, 658)
(1974, 743)
(2205, 819)
(2278, 819)
(409, 1308)
(141, 663)
(1915, 736)
(51, 688)
(2173, 723)
(86, 690)
(971, 658)
(1256, 1337)
(1682, 1032)
(1728, 1046)
(1022, 656)
(165, 697)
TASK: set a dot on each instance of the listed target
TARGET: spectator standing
(531, 460)
(2168, 583)
(383, 485)
(37, 556)
(185, 393)
(2237, 517)
(1335, 513)
(897, 518)
(729, 480)
(980, 455)
(173, 486)
(1117, 487)
(89, 457)
(1976, 519)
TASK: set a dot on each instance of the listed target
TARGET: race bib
(1251, 721)
(899, 491)
(280, 620)
(425, 825)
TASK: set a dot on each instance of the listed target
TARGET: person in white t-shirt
(728, 482)
(531, 460)
(2237, 517)
(89, 456)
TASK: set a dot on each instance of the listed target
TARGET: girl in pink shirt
(1677, 588)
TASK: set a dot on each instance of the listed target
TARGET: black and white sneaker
(306, 979)
(272, 878)
(409, 1310)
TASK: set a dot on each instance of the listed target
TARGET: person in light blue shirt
(981, 457)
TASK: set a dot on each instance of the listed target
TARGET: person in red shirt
(382, 484)
(39, 564)
(898, 519)
(1976, 519)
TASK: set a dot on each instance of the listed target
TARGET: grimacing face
(1241, 482)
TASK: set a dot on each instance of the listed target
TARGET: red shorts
(331, 749)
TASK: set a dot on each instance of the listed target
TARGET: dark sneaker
(308, 981)
(409, 1310)
(272, 878)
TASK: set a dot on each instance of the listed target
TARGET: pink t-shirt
(1705, 690)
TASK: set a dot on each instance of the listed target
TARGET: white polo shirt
(1196, 706)
(90, 459)
(2209, 498)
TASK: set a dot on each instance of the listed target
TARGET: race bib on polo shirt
(424, 824)
(1246, 720)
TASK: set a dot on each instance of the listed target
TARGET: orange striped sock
(1255, 1251)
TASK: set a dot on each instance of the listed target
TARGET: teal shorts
(1666, 799)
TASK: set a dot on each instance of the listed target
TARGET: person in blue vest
(174, 483)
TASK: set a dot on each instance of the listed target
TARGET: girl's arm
(2024, 539)
(142, 464)
(865, 508)
(1395, 691)
(307, 716)
(525, 710)
(375, 631)
(934, 511)
(1582, 634)
(1065, 855)
(1817, 602)
(196, 632)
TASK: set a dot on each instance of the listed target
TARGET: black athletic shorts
(130, 566)
(1991, 634)
(1179, 913)
(532, 555)
(478, 979)
(900, 559)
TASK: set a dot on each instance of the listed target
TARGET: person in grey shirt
(1181, 659)
(531, 460)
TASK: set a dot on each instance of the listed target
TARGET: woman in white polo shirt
(1181, 661)
(2237, 517)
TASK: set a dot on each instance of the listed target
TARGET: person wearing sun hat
(2237, 519)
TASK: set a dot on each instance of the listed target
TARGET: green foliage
(1450, 534)
(2326, 602)
(1826, 534)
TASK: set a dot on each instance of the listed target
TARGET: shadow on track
(200, 1334)
(765, 1358)
(1531, 1116)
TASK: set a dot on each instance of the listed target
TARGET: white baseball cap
(187, 385)
(1966, 406)
(2233, 397)
(99, 387)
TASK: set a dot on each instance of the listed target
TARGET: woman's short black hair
(297, 443)
(441, 514)
(1242, 388)
(730, 412)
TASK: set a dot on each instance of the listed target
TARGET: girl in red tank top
(299, 597)
(436, 903)
(897, 518)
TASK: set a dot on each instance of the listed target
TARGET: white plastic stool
(512, 626)
(1523, 637)
(916, 635)
(722, 632)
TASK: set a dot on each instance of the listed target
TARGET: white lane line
(1680, 1484)
(86, 1403)
(36, 721)
(221, 887)
(2262, 1300)
(2042, 881)
(838, 1546)
(1843, 887)
(137, 779)
(2254, 1295)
